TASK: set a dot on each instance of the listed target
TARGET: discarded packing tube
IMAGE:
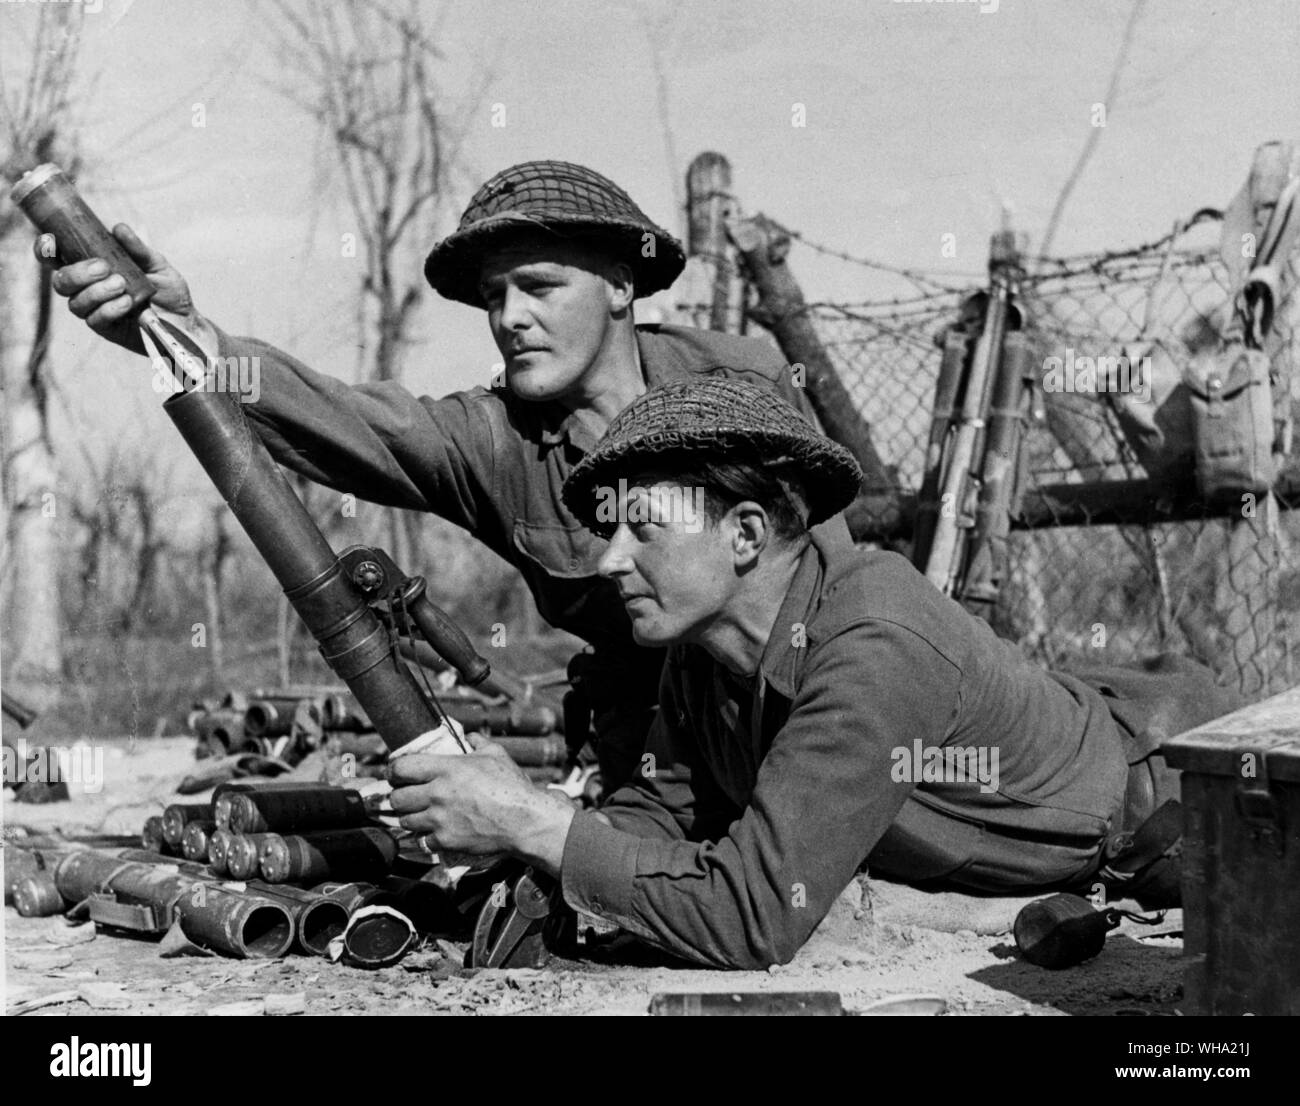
(350, 895)
(342, 712)
(377, 936)
(221, 796)
(218, 845)
(378, 931)
(510, 718)
(298, 811)
(518, 719)
(178, 815)
(248, 925)
(244, 854)
(19, 864)
(194, 841)
(364, 853)
(37, 896)
(239, 923)
(317, 918)
(272, 717)
(535, 752)
(222, 730)
(430, 908)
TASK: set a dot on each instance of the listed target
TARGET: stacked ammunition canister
(261, 721)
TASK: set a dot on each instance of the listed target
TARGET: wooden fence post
(781, 309)
(711, 278)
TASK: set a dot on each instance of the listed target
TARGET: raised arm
(375, 440)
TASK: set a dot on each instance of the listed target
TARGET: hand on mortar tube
(480, 804)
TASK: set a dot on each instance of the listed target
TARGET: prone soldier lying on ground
(835, 710)
(555, 254)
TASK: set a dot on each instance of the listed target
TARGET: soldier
(555, 254)
(833, 707)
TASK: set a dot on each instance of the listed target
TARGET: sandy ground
(880, 940)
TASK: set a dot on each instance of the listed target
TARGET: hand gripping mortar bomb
(357, 603)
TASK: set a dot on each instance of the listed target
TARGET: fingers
(71, 279)
(417, 768)
(411, 799)
(481, 743)
(94, 292)
(104, 301)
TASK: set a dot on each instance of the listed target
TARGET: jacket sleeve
(375, 440)
(825, 794)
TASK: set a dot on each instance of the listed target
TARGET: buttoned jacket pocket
(566, 552)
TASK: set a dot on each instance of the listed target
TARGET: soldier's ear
(752, 533)
(621, 288)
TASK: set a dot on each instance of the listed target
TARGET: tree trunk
(33, 505)
(212, 588)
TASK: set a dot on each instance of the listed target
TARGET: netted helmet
(566, 199)
(718, 417)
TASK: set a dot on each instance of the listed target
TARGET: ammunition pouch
(1233, 431)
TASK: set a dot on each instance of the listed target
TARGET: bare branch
(1085, 155)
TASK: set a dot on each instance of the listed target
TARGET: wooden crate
(1241, 859)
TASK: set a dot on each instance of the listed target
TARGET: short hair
(773, 483)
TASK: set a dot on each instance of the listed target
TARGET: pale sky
(921, 120)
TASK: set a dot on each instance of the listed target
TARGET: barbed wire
(917, 276)
(1199, 585)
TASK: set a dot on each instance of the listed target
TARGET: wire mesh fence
(1223, 588)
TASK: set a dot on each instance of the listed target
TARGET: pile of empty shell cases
(266, 867)
(288, 724)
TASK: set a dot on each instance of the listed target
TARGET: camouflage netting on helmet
(565, 199)
(720, 418)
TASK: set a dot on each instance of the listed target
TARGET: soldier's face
(676, 578)
(551, 305)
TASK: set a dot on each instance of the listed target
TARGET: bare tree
(35, 126)
(367, 76)
(663, 27)
(1094, 135)
(119, 505)
(214, 564)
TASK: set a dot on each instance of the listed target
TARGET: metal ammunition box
(1241, 859)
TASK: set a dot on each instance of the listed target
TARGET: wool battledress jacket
(494, 465)
(825, 758)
